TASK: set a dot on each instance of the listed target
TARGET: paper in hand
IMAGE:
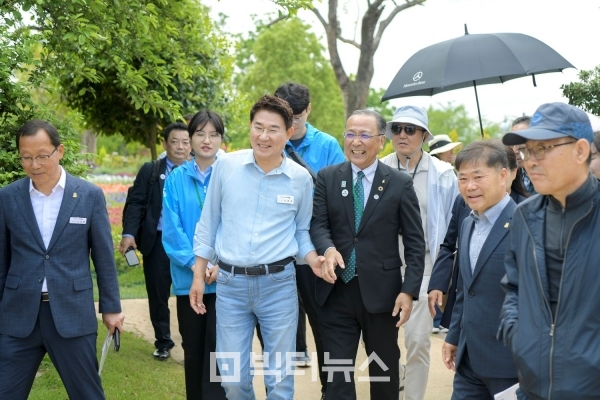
(508, 394)
(105, 348)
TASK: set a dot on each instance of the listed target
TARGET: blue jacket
(319, 149)
(556, 358)
(181, 212)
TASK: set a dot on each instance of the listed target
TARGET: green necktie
(359, 201)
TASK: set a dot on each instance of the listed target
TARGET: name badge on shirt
(283, 199)
(78, 221)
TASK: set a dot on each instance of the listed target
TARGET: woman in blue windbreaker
(183, 200)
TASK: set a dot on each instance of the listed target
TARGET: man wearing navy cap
(550, 314)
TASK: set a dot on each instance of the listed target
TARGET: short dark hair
(517, 183)
(524, 119)
(489, 151)
(295, 94)
(30, 128)
(201, 118)
(378, 119)
(276, 105)
(175, 126)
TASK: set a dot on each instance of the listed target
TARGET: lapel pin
(74, 195)
(376, 197)
(506, 225)
(162, 176)
(343, 183)
(344, 193)
(383, 181)
(380, 188)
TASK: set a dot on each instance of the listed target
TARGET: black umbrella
(472, 60)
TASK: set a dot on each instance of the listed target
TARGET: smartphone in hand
(131, 257)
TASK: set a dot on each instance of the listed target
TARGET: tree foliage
(128, 66)
(455, 121)
(586, 92)
(282, 52)
(17, 54)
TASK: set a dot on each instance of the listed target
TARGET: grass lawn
(129, 374)
(131, 284)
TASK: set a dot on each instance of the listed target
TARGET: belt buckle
(250, 273)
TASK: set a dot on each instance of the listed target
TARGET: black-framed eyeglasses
(361, 136)
(409, 129)
(539, 152)
(41, 159)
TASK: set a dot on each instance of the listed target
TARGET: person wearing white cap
(436, 186)
(443, 148)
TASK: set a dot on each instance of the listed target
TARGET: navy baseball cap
(553, 121)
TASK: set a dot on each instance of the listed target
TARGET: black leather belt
(45, 296)
(254, 270)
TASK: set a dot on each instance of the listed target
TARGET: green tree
(455, 121)
(586, 92)
(287, 51)
(374, 103)
(16, 106)
(128, 66)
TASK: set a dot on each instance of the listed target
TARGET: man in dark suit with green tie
(360, 207)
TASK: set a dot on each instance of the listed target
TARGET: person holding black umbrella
(436, 187)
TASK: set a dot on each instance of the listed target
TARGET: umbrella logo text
(418, 76)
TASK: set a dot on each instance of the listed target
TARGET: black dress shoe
(161, 354)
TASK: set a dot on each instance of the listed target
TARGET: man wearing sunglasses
(436, 187)
(550, 313)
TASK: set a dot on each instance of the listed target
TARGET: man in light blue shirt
(255, 220)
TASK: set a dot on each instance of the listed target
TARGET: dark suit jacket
(377, 254)
(25, 261)
(132, 220)
(479, 299)
(442, 273)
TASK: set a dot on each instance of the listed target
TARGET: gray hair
(378, 119)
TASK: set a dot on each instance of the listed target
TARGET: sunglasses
(409, 129)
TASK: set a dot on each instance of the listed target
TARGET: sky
(569, 27)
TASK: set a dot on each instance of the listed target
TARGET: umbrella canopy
(472, 60)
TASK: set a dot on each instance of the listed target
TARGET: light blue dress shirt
(250, 217)
(483, 226)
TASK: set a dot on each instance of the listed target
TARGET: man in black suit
(143, 218)
(359, 209)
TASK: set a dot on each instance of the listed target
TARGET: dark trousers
(199, 339)
(74, 359)
(342, 318)
(469, 385)
(306, 281)
(157, 272)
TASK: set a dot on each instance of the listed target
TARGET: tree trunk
(151, 141)
(356, 91)
(88, 140)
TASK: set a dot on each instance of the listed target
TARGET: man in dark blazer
(147, 224)
(445, 270)
(483, 365)
(50, 224)
(359, 209)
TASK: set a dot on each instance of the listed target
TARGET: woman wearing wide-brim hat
(443, 148)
